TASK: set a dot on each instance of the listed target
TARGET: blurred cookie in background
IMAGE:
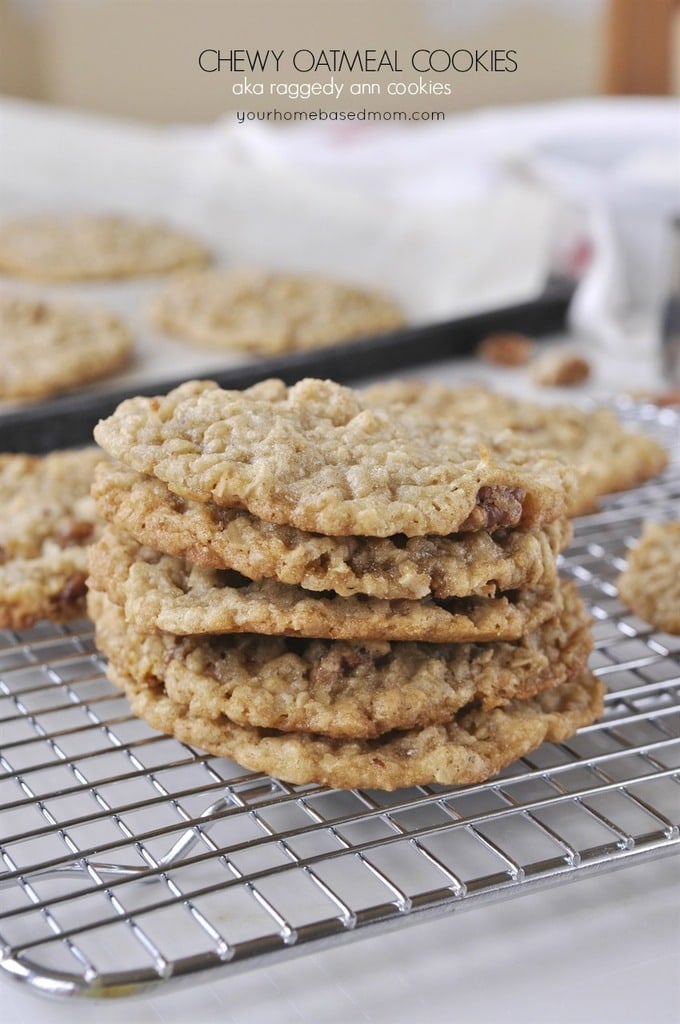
(263, 312)
(50, 347)
(650, 583)
(87, 247)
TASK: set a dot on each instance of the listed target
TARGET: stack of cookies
(336, 594)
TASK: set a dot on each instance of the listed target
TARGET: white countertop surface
(597, 951)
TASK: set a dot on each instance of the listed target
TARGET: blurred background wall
(138, 58)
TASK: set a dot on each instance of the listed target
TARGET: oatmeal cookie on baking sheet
(48, 519)
(650, 584)
(314, 456)
(480, 563)
(264, 312)
(608, 457)
(84, 247)
(162, 593)
(343, 689)
(50, 347)
(472, 747)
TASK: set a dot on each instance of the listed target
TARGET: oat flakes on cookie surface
(472, 747)
(264, 312)
(480, 563)
(84, 247)
(607, 456)
(341, 689)
(48, 519)
(51, 347)
(317, 457)
(162, 593)
(650, 584)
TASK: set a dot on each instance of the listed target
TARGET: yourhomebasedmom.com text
(243, 116)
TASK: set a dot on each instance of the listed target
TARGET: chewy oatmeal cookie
(607, 456)
(340, 689)
(315, 457)
(472, 747)
(48, 519)
(258, 311)
(47, 348)
(650, 584)
(211, 537)
(162, 593)
(87, 247)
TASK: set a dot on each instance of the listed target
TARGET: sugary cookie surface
(315, 456)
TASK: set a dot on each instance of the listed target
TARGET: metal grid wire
(130, 859)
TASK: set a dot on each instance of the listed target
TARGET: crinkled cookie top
(315, 457)
(607, 456)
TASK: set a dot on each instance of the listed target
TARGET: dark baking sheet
(69, 421)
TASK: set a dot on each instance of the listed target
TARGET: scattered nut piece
(660, 398)
(560, 368)
(74, 532)
(506, 349)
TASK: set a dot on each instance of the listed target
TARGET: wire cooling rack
(131, 860)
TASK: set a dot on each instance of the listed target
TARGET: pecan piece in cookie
(73, 591)
(497, 507)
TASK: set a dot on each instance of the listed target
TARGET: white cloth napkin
(451, 217)
(612, 167)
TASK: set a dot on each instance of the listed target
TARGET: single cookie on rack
(314, 456)
(341, 689)
(48, 519)
(86, 246)
(264, 312)
(472, 747)
(650, 584)
(51, 347)
(607, 456)
(480, 563)
(162, 593)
